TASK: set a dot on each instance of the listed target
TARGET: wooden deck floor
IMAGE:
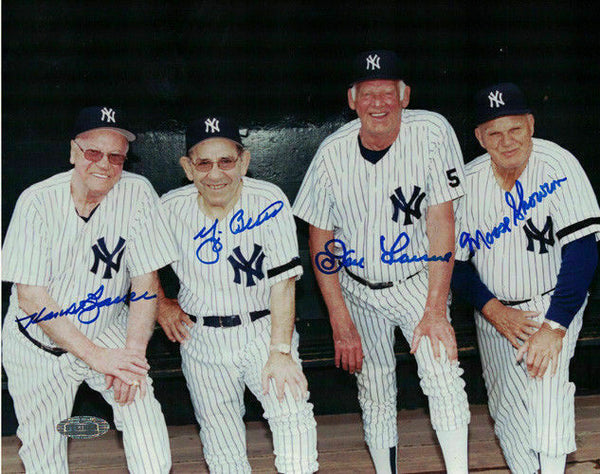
(341, 446)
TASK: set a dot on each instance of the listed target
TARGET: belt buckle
(221, 322)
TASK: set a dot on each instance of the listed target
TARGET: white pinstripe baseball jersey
(523, 258)
(361, 201)
(247, 259)
(48, 244)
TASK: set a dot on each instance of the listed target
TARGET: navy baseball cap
(211, 127)
(376, 64)
(500, 100)
(91, 118)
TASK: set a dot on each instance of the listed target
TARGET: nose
(215, 171)
(506, 140)
(103, 163)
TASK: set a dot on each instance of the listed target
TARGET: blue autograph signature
(267, 213)
(87, 305)
(519, 211)
(210, 237)
(211, 242)
(326, 261)
(389, 256)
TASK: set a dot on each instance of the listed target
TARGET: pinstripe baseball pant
(218, 363)
(376, 313)
(43, 389)
(531, 415)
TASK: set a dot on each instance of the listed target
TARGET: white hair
(401, 87)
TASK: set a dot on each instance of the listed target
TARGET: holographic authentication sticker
(82, 427)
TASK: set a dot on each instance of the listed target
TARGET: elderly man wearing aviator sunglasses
(86, 239)
(238, 264)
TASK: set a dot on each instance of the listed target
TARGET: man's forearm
(440, 232)
(32, 299)
(142, 311)
(283, 299)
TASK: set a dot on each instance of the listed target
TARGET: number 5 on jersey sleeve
(453, 179)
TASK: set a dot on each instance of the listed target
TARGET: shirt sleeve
(446, 169)
(574, 206)
(152, 245)
(579, 260)
(283, 260)
(467, 285)
(26, 250)
(314, 201)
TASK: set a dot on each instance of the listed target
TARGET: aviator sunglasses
(96, 155)
(224, 163)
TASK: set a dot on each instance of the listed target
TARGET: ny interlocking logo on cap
(373, 62)
(495, 99)
(108, 115)
(212, 125)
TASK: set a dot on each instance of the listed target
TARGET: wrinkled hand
(174, 321)
(124, 393)
(436, 326)
(122, 363)
(542, 349)
(514, 324)
(282, 369)
(348, 348)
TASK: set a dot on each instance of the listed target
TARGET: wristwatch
(554, 325)
(281, 347)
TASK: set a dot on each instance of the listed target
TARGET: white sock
(454, 449)
(553, 465)
(384, 460)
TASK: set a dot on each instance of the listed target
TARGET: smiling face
(378, 105)
(219, 188)
(508, 140)
(93, 180)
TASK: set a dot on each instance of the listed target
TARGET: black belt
(229, 321)
(375, 286)
(56, 351)
(515, 303)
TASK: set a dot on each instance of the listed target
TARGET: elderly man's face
(97, 178)
(219, 187)
(379, 107)
(508, 140)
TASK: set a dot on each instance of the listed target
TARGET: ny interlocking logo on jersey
(544, 236)
(373, 62)
(252, 267)
(101, 252)
(108, 115)
(410, 208)
(212, 125)
(495, 99)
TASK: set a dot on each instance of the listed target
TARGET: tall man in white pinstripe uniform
(75, 245)
(238, 265)
(528, 225)
(383, 186)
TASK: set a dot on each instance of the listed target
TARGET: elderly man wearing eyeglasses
(234, 317)
(80, 245)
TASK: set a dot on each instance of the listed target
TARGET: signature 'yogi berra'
(530, 286)
(393, 170)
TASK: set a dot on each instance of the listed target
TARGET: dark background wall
(279, 68)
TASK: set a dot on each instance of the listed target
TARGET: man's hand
(282, 369)
(124, 393)
(542, 349)
(173, 320)
(348, 348)
(514, 324)
(126, 364)
(436, 326)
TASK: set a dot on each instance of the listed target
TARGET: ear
(73, 150)
(406, 99)
(351, 101)
(245, 157)
(531, 122)
(479, 136)
(187, 166)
